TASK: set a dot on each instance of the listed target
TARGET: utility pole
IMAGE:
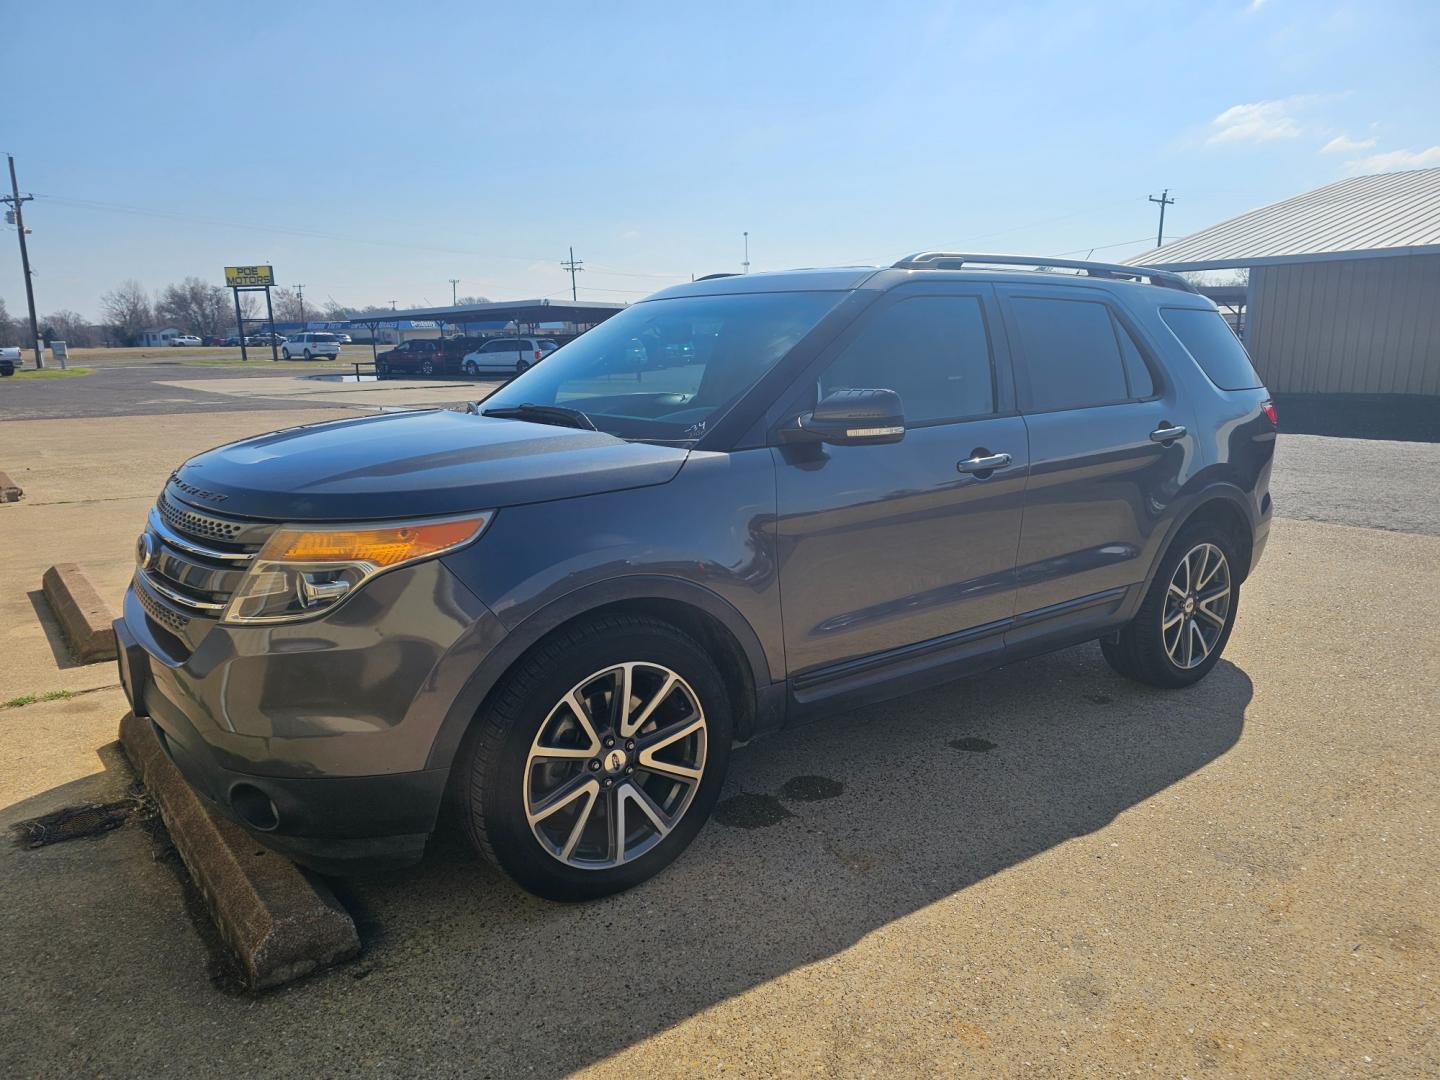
(454, 283)
(15, 202)
(574, 266)
(746, 263)
(392, 304)
(300, 295)
(1164, 200)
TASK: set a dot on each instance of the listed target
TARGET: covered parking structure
(524, 315)
(1343, 280)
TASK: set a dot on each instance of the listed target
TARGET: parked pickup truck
(9, 359)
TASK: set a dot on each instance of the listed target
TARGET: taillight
(1268, 408)
(537, 356)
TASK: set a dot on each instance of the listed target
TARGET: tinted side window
(1209, 339)
(933, 351)
(1142, 384)
(1071, 353)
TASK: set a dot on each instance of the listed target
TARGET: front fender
(491, 659)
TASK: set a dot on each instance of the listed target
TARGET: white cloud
(1396, 160)
(1260, 121)
(1343, 144)
(1255, 5)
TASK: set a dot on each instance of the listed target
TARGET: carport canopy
(495, 315)
(499, 313)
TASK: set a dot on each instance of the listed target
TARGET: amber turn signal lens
(381, 547)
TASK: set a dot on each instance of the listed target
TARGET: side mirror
(851, 418)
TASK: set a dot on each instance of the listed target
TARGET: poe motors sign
(240, 279)
(249, 277)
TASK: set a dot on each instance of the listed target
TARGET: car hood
(414, 464)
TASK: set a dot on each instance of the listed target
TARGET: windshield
(668, 369)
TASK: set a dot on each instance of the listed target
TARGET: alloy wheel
(615, 765)
(1197, 606)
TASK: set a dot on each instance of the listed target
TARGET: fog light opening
(254, 807)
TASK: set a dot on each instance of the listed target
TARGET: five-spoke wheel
(615, 765)
(1184, 621)
(1197, 606)
(598, 759)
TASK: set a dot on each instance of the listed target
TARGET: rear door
(1103, 472)
(891, 554)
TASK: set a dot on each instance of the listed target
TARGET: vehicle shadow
(824, 834)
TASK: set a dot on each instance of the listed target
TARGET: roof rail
(950, 260)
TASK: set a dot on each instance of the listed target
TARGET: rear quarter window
(1209, 339)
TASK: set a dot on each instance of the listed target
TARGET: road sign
(249, 277)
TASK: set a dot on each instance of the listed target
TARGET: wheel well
(1225, 515)
(712, 634)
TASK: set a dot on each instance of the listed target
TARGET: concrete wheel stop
(83, 614)
(281, 922)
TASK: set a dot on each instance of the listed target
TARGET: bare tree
(126, 310)
(72, 328)
(9, 329)
(196, 306)
(289, 307)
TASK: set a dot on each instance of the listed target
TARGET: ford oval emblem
(145, 551)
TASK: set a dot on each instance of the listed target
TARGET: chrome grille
(171, 620)
(192, 561)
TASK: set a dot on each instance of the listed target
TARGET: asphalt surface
(1367, 482)
(148, 390)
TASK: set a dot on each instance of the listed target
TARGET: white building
(160, 337)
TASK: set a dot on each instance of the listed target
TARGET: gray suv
(739, 503)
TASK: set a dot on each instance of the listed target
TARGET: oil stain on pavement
(972, 745)
(751, 811)
(811, 788)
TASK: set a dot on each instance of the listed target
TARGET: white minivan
(511, 355)
(310, 345)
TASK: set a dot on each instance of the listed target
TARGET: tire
(1148, 652)
(427, 367)
(503, 772)
(308, 356)
(469, 368)
(285, 353)
(522, 366)
(382, 370)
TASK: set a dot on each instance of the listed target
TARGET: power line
(315, 234)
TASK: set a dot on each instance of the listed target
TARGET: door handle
(987, 463)
(1167, 434)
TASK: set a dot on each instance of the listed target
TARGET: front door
(887, 547)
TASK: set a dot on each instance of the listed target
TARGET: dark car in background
(564, 608)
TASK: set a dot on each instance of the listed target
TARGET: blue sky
(375, 151)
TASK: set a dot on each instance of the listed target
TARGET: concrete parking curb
(281, 922)
(83, 615)
(9, 490)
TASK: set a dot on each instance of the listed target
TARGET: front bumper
(316, 736)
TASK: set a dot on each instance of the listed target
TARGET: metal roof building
(1344, 289)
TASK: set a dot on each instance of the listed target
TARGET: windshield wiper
(544, 414)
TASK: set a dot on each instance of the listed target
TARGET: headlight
(305, 570)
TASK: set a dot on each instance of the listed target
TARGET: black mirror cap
(852, 418)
